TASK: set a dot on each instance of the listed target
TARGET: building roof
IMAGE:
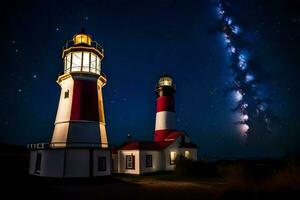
(151, 145)
(174, 135)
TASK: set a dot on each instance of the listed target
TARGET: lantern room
(165, 80)
(82, 55)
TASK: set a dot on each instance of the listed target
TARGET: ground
(16, 183)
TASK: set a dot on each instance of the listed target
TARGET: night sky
(142, 40)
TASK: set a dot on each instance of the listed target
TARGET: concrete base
(70, 162)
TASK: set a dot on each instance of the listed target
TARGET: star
(14, 42)
(57, 29)
(19, 90)
(17, 50)
(34, 76)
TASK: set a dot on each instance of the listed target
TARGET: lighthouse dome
(82, 55)
(166, 80)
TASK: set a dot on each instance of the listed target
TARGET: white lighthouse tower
(79, 146)
(165, 122)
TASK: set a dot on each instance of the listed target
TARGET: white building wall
(63, 112)
(115, 161)
(52, 162)
(60, 134)
(64, 162)
(77, 163)
(165, 120)
(122, 161)
(167, 151)
(32, 160)
(65, 104)
(157, 161)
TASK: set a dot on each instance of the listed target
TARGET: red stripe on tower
(165, 103)
(85, 101)
(165, 122)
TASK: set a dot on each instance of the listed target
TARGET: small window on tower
(67, 94)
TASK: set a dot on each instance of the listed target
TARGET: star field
(142, 40)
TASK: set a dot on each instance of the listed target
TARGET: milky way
(253, 110)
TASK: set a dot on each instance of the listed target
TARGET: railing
(63, 72)
(67, 145)
(93, 44)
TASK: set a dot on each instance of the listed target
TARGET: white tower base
(70, 162)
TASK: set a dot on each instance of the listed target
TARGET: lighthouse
(79, 145)
(169, 144)
(80, 115)
(165, 108)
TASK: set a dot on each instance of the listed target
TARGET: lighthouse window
(82, 61)
(68, 63)
(67, 94)
(148, 160)
(99, 66)
(86, 61)
(38, 163)
(97, 61)
(101, 163)
(76, 61)
(187, 154)
(93, 63)
(172, 157)
(130, 162)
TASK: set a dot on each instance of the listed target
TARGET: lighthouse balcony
(92, 44)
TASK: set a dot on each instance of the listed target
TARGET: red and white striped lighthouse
(80, 115)
(165, 122)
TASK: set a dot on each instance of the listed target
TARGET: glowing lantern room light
(82, 39)
(238, 96)
(244, 128)
(166, 80)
